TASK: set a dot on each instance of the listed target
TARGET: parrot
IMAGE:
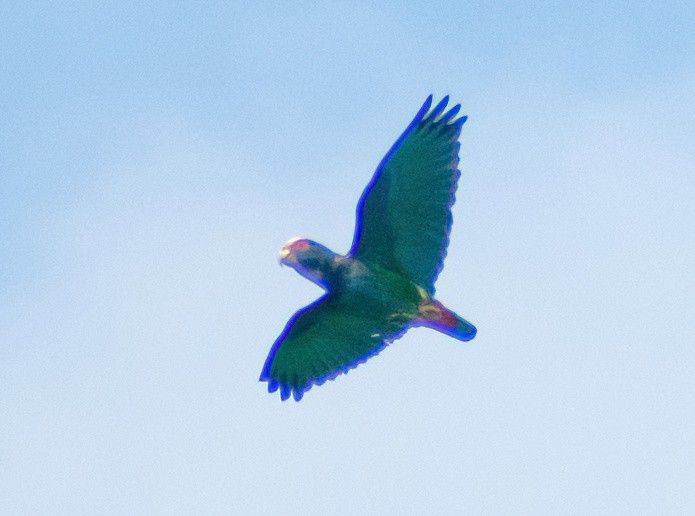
(384, 285)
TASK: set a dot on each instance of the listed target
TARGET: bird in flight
(385, 283)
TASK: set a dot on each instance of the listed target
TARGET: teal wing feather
(323, 340)
(404, 215)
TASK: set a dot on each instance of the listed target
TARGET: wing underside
(322, 341)
(404, 215)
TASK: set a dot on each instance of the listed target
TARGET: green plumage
(328, 339)
(385, 284)
(406, 218)
(367, 306)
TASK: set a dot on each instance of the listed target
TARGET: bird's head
(308, 258)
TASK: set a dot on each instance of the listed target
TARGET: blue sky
(154, 159)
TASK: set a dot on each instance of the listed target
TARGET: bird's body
(371, 285)
(385, 284)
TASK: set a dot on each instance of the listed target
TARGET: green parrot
(385, 283)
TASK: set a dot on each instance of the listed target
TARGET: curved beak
(285, 256)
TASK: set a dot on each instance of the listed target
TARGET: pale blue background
(153, 160)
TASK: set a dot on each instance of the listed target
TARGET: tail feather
(436, 316)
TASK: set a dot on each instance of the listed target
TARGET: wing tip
(443, 118)
(459, 121)
(287, 391)
(437, 110)
(450, 114)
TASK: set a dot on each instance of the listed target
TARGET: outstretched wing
(321, 341)
(404, 214)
